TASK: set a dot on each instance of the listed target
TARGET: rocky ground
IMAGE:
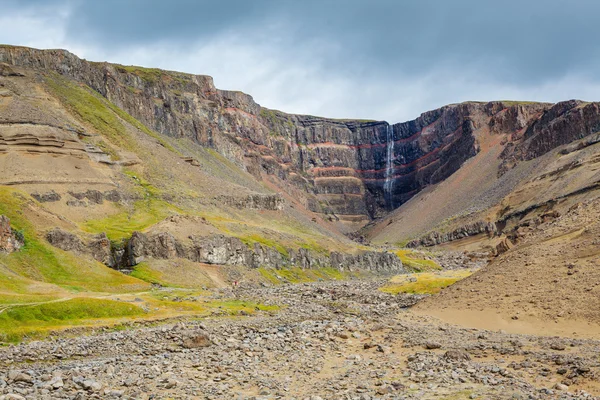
(330, 340)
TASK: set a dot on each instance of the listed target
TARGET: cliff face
(560, 124)
(353, 170)
(219, 250)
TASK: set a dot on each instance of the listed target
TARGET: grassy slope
(424, 283)
(43, 288)
(39, 261)
(37, 320)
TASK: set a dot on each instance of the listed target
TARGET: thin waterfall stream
(388, 185)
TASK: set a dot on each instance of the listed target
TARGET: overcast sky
(376, 59)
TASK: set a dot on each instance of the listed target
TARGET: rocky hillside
(530, 158)
(150, 173)
(106, 152)
(350, 170)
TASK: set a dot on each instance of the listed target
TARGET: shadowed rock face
(354, 169)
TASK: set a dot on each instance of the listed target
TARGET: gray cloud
(380, 58)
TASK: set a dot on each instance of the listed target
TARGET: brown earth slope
(548, 284)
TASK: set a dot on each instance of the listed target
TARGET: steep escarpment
(351, 170)
(561, 124)
(531, 157)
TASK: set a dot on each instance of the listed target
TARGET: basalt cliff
(352, 171)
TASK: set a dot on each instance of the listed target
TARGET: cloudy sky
(377, 59)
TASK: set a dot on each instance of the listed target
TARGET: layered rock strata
(435, 238)
(218, 250)
(354, 169)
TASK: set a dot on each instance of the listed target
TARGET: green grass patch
(95, 110)
(38, 320)
(299, 275)
(270, 275)
(39, 261)
(150, 75)
(194, 302)
(143, 214)
(234, 307)
(143, 272)
(250, 239)
(423, 283)
(416, 262)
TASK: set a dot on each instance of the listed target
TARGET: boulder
(65, 240)
(504, 246)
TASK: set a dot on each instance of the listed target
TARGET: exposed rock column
(9, 241)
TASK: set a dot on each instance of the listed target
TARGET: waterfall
(389, 167)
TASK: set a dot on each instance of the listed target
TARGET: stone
(91, 385)
(561, 387)
(504, 246)
(432, 345)
(65, 240)
(457, 355)
(197, 340)
(171, 383)
(48, 197)
(8, 70)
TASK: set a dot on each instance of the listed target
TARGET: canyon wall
(353, 170)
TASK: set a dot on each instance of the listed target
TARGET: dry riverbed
(327, 340)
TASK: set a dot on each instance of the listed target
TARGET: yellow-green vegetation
(38, 320)
(144, 272)
(193, 303)
(416, 262)
(178, 273)
(143, 214)
(256, 238)
(151, 75)
(423, 283)
(39, 261)
(299, 275)
(93, 109)
(234, 307)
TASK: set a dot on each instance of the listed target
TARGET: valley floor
(328, 340)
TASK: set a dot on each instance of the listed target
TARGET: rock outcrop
(504, 246)
(10, 241)
(435, 238)
(225, 250)
(65, 240)
(218, 250)
(272, 202)
(353, 170)
(560, 124)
